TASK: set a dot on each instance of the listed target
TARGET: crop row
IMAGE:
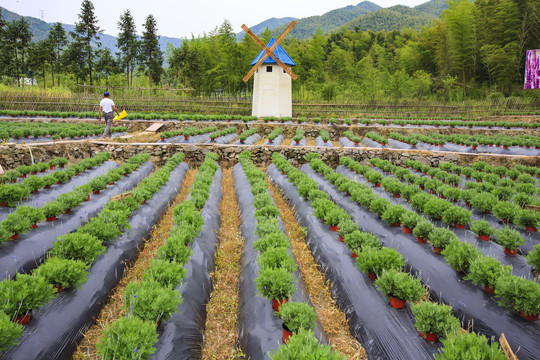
(156, 298)
(485, 199)
(275, 280)
(223, 132)
(56, 130)
(432, 320)
(480, 269)
(247, 133)
(23, 171)
(73, 254)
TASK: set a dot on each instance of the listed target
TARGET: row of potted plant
(463, 257)
(23, 171)
(156, 298)
(223, 132)
(247, 133)
(404, 138)
(194, 131)
(57, 130)
(377, 138)
(73, 254)
(324, 136)
(475, 196)
(25, 218)
(274, 134)
(299, 135)
(11, 194)
(275, 279)
(352, 137)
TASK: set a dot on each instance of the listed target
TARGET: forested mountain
(270, 23)
(433, 7)
(332, 20)
(393, 18)
(40, 29)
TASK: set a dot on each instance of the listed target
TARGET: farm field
(232, 237)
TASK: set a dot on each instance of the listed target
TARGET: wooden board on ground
(507, 349)
(121, 196)
(532, 207)
(154, 127)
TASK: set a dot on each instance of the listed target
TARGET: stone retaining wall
(15, 155)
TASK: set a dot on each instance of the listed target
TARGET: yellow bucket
(122, 115)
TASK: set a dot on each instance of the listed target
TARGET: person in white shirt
(107, 106)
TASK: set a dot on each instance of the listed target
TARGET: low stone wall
(15, 155)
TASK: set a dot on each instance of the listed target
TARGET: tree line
(473, 50)
(79, 53)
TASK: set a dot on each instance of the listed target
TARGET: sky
(182, 18)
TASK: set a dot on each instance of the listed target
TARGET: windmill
(272, 86)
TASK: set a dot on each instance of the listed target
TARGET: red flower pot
(24, 319)
(334, 228)
(59, 288)
(51, 167)
(459, 226)
(429, 336)
(505, 147)
(377, 185)
(397, 303)
(126, 175)
(396, 224)
(406, 230)
(276, 303)
(3, 204)
(372, 276)
(354, 255)
(421, 240)
(506, 221)
(68, 211)
(488, 289)
(531, 229)
(397, 195)
(510, 252)
(341, 238)
(286, 333)
(88, 198)
(14, 237)
(533, 317)
(111, 183)
(484, 237)
(53, 218)
(97, 192)
(34, 226)
(437, 250)
(144, 202)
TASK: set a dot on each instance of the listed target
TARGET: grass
(332, 319)
(222, 309)
(113, 309)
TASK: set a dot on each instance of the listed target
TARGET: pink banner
(532, 70)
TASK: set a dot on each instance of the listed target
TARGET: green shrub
(434, 318)
(456, 215)
(175, 249)
(78, 246)
(358, 240)
(528, 218)
(519, 294)
(400, 285)
(166, 273)
(460, 255)
(481, 227)
(533, 258)
(127, 338)
(104, 231)
(435, 208)
(297, 316)
(378, 206)
(63, 272)
(506, 210)
(460, 345)
(275, 284)
(304, 346)
(423, 229)
(419, 200)
(486, 270)
(509, 238)
(270, 241)
(52, 208)
(375, 261)
(150, 301)
(277, 258)
(16, 224)
(484, 202)
(9, 332)
(441, 237)
(392, 214)
(34, 183)
(18, 297)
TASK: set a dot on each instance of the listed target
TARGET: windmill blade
(269, 51)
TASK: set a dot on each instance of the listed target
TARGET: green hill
(332, 20)
(270, 23)
(392, 18)
(433, 7)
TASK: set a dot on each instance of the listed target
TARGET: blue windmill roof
(279, 52)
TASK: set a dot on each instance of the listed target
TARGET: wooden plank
(532, 207)
(269, 51)
(154, 127)
(121, 196)
(506, 348)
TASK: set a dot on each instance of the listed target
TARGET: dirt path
(332, 319)
(113, 309)
(222, 309)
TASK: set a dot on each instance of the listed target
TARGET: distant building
(272, 87)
